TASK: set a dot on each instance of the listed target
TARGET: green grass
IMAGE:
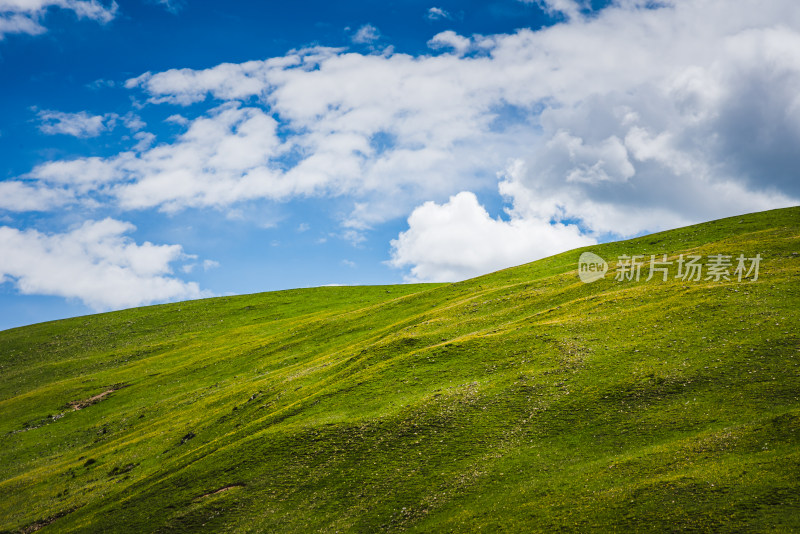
(520, 401)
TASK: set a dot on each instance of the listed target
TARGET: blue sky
(157, 151)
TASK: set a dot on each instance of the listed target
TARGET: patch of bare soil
(41, 523)
(79, 405)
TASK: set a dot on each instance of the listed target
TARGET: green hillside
(520, 401)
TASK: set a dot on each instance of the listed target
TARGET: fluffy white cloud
(450, 39)
(79, 176)
(133, 122)
(569, 8)
(614, 106)
(95, 263)
(459, 240)
(18, 23)
(366, 34)
(227, 81)
(178, 119)
(25, 16)
(222, 158)
(437, 13)
(20, 196)
(699, 144)
(91, 9)
(79, 124)
(389, 152)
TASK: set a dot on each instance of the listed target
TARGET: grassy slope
(520, 401)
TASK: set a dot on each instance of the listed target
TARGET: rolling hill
(521, 401)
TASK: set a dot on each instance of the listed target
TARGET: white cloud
(80, 176)
(569, 8)
(220, 159)
(91, 9)
(79, 124)
(210, 264)
(459, 240)
(95, 263)
(133, 122)
(437, 13)
(227, 81)
(145, 140)
(234, 154)
(440, 113)
(178, 119)
(366, 34)
(450, 39)
(25, 16)
(17, 23)
(606, 160)
(21, 196)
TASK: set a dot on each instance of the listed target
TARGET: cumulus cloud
(437, 13)
(18, 23)
(568, 8)
(640, 117)
(80, 176)
(227, 81)
(366, 34)
(450, 39)
(21, 196)
(79, 124)
(389, 151)
(220, 159)
(178, 119)
(25, 16)
(672, 99)
(459, 240)
(133, 122)
(96, 263)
